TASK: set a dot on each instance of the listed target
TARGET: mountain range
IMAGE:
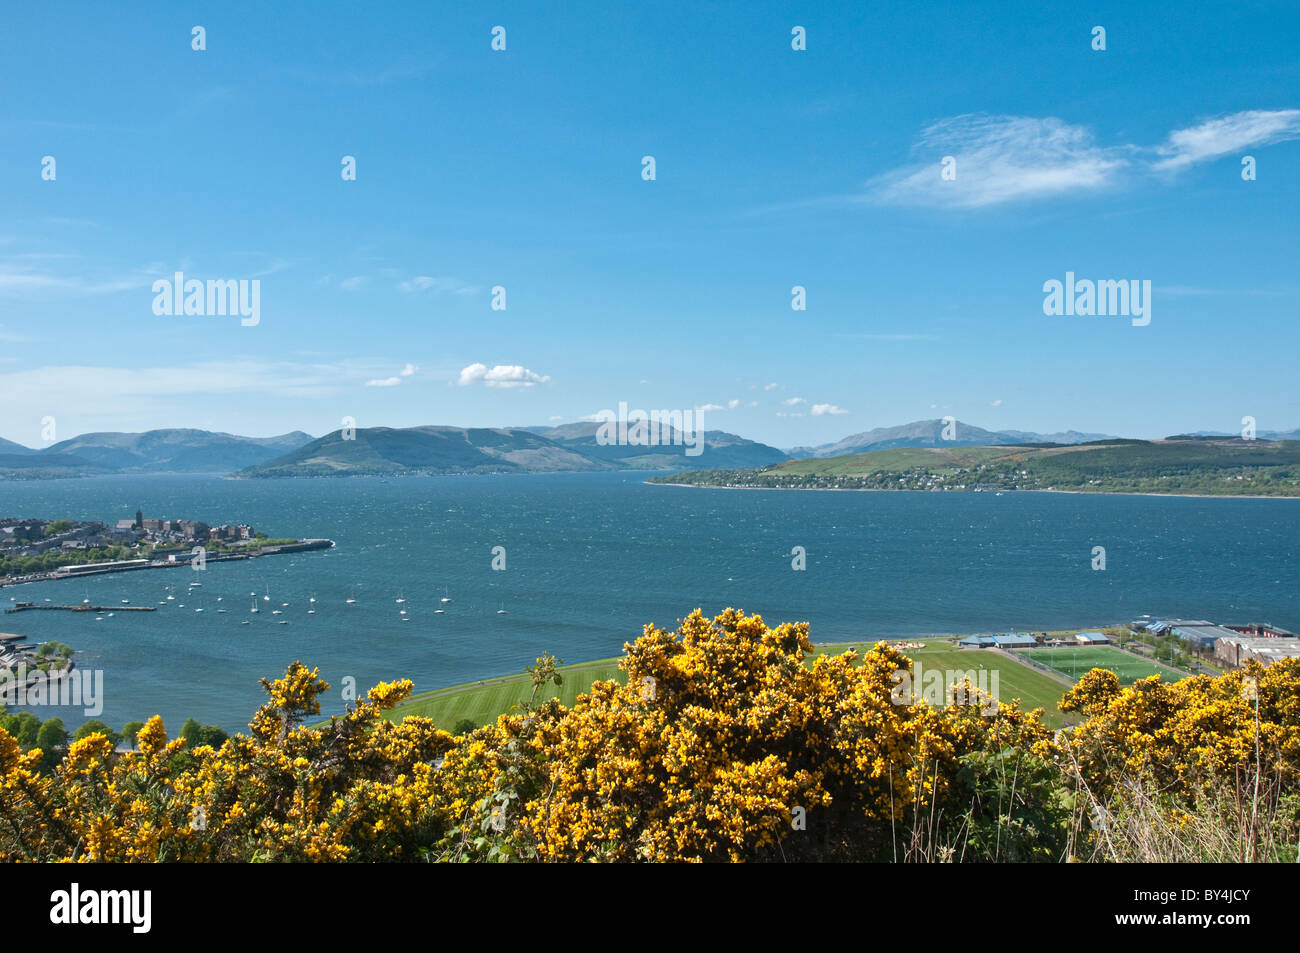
(444, 449)
(930, 433)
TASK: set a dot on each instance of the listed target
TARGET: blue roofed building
(1091, 638)
(977, 641)
(1014, 640)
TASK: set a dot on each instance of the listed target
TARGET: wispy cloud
(819, 410)
(436, 286)
(502, 375)
(999, 159)
(384, 382)
(1226, 135)
(793, 401)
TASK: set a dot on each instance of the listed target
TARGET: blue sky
(775, 168)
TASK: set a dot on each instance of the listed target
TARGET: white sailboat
(446, 593)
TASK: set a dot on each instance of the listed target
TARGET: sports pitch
(1075, 662)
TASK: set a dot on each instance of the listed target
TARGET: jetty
(28, 606)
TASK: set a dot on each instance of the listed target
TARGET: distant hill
(720, 449)
(1221, 468)
(386, 450)
(154, 451)
(8, 448)
(929, 433)
(439, 449)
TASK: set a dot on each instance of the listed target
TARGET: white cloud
(999, 159)
(783, 414)
(408, 370)
(733, 403)
(998, 402)
(1228, 134)
(353, 284)
(436, 285)
(1007, 158)
(384, 382)
(772, 386)
(819, 410)
(503, 375)
(709, 408)
(794, 401)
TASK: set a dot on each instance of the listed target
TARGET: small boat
(267, 597)
(446, 596)
(180, 605)
(502, 610)
(245, 622)
(196, 585)
(311, 611)
(253, 606)
(110, 615)
(401, 598)
(284, 605)
(439, 611)
(99, 618)
(284, 621)
(221, 610)
(126, 602)
(275, 612)
(402, 612)
(200, 609)
(312, 599)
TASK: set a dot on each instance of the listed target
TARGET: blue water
(592, 557)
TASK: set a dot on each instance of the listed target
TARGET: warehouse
(1240, 649)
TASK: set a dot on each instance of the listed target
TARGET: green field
(482, 702)
(1033, 688)
(1074, 662)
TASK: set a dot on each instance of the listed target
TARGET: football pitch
(1075, 662)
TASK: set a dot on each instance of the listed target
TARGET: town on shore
(38, 550)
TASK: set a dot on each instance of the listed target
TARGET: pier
(25, 606)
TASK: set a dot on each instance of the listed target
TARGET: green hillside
(1230, 467)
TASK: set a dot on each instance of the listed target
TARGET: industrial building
(1238, 649)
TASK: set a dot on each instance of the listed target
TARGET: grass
(1074, 662)
(1033, 688)
(481, 702)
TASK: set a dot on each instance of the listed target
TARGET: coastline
(872, 489)
(301, 546)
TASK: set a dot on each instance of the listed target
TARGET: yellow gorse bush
(726, 743)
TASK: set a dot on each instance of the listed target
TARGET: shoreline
(301, 546)
(872, 489)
